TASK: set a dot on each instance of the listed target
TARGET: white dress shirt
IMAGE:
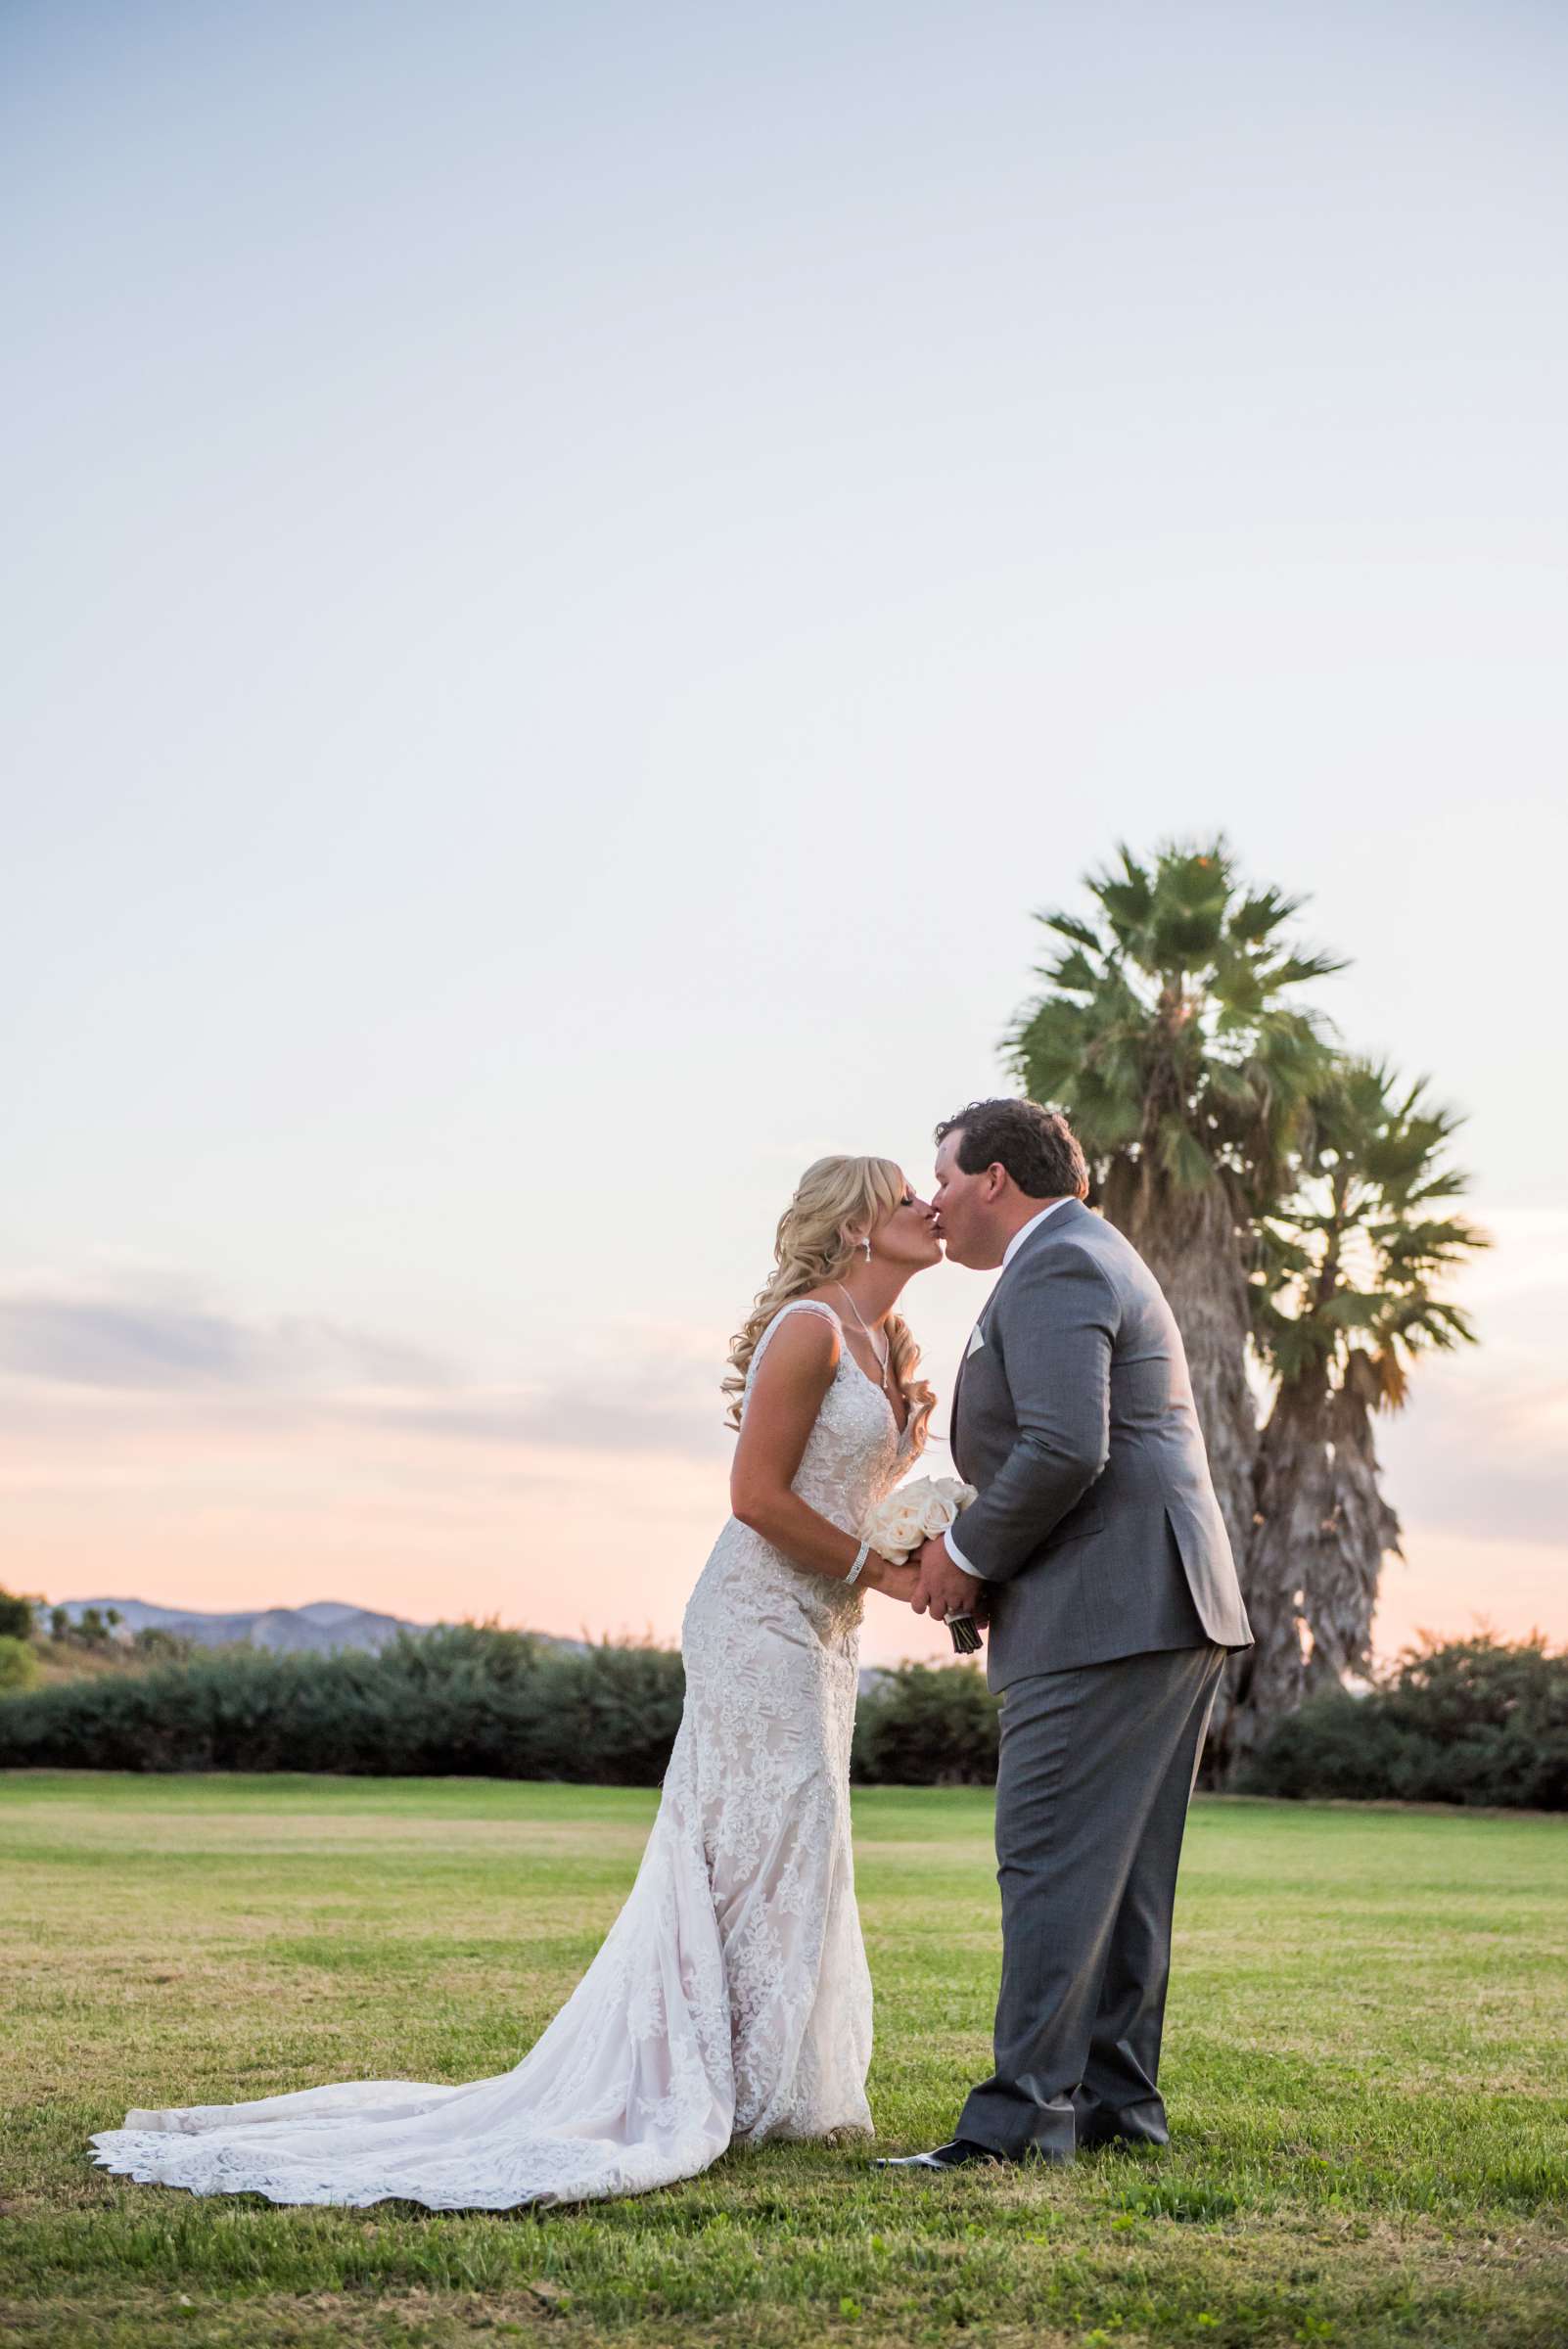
(1008, 1254)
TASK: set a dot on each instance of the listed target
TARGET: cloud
(147, 1346)
(664, 1414)
(164, 1343)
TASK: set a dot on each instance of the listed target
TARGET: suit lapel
(964, 1364)
(1057, 1221)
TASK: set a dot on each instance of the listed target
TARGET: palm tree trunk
(1311, 1570)
(1360, 1529)
(1292, 1496)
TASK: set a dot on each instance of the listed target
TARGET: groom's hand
(945, 1588)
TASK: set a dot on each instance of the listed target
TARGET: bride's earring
(867, 1245)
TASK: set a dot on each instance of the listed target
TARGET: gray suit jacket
(1096, 1527)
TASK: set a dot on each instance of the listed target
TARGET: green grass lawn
(1365, 2065)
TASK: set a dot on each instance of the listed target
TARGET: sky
(577, 578)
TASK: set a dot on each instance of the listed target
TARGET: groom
(1099, 1553)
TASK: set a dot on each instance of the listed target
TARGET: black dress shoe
(954, 2156)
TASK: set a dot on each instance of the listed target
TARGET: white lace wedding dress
(730, 1999)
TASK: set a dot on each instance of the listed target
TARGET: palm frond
(1068, 926)
(1260, 914)
(1076, 973)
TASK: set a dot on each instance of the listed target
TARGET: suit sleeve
(1057, 1334)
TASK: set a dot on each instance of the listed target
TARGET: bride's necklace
(880, 1354)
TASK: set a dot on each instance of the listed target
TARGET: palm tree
(1344, 1300)
(1171, 1034)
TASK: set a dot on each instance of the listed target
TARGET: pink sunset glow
(443, 1501)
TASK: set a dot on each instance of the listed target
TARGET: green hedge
(465, 1702)
(926, 1725)
(1468, 1720)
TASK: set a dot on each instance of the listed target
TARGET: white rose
(913, 1512)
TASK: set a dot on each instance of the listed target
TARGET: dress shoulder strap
(797, 1304)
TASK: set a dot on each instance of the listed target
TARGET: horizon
(1478, 1630)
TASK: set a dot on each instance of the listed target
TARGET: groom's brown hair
(1038, 1147)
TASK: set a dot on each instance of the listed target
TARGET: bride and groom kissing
(730, 2001)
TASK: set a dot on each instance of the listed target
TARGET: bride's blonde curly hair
(838, 1200)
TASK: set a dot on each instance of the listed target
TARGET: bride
(730, 2001)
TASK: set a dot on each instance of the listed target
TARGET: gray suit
(1113, 1599)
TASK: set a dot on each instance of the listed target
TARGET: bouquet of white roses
(909, 1515)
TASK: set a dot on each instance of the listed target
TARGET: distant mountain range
(325, 1624)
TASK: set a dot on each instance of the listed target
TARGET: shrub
(16, 1616)
(1461, 1721)
(927, 1724)
(19, 1666)
(153, 1643)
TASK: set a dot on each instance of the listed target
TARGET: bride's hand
(898, 1581)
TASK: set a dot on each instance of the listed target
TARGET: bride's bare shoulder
(797, 1340)
(805, 1317)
